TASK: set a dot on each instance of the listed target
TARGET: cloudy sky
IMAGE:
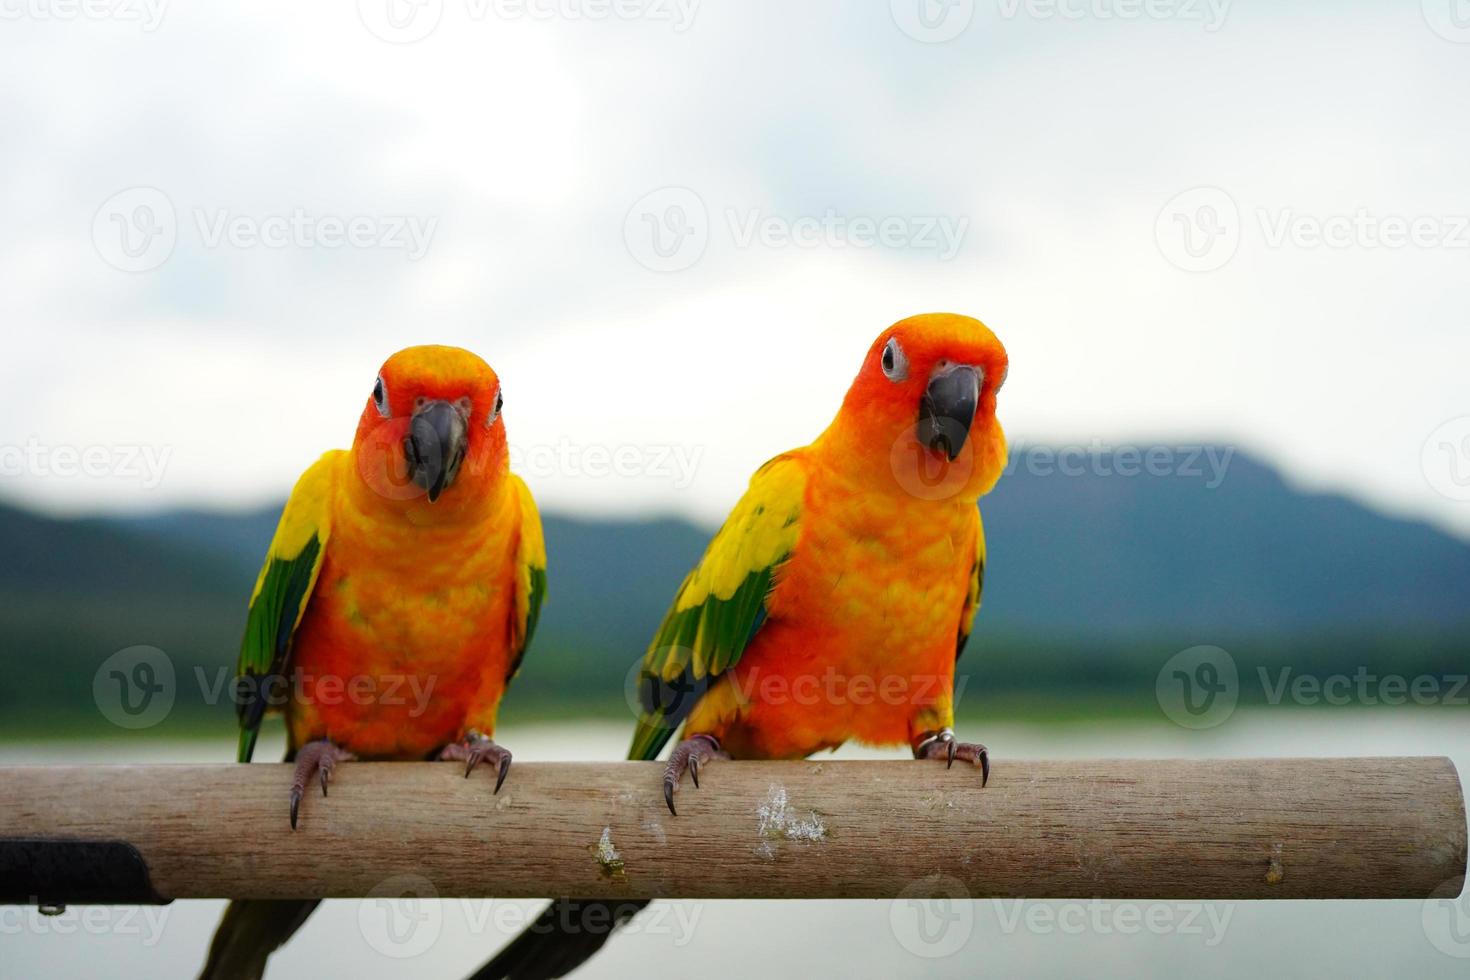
(673, 226)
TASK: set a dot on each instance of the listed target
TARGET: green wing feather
(530, 575)
(972, 597)
(282, 592)
(721, 604)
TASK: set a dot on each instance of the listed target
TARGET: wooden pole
(1124, 829)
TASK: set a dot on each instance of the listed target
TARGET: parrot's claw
(475, 749)
(314, 758)
(942, 745)
(688, 755)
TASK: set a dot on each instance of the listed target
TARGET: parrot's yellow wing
(722, 603)
(530, 585)
(281, 593)
(972, 598)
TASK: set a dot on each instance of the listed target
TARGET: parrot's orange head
(432, 426)
(925, 402)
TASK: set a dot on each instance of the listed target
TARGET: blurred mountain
(1101, 553)
(1093, 579)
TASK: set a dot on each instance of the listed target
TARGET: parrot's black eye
(895, 364)
(495, 412)
(380, 397)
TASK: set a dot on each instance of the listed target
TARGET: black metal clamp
(50, 874)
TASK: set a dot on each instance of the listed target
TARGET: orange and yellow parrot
(835, 600)
(397, 599)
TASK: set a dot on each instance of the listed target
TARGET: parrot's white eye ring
(895, 362)
(495, 412)
(380, 398)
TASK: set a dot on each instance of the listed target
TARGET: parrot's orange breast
(406, 642)
(863, 620)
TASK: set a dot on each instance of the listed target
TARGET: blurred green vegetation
(1093, 585)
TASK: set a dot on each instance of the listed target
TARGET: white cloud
(528, 141)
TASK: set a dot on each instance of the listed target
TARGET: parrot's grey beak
(435, 446)
(948, 408)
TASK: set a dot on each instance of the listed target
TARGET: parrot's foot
(477, 748)
(688, 755)
(314, 758)
(941, 745)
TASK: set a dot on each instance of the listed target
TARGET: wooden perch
(1124, 829)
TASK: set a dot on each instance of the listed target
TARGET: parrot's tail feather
(247, 744)
(248, 934)
(563, 937)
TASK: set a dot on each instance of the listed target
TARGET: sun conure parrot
(833, 603)
(397, 600)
